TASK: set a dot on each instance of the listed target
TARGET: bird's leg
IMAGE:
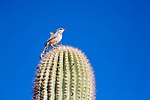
(59, 45)
(54, 46)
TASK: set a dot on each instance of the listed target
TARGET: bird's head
(61, 30)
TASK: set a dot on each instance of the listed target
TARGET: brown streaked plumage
(53, 40)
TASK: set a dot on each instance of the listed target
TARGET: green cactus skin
(64, 74)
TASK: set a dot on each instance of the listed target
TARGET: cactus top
(64, 74)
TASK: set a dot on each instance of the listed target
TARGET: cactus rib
(64, 74)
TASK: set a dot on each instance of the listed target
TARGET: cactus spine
(64, 74)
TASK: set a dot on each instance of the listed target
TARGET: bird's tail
(41, 55)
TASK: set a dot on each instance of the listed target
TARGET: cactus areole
(64, 73)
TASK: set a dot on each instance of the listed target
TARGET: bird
(53, 40)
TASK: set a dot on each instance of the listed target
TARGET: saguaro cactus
(64, 74)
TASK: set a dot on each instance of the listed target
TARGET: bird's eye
(60, 29)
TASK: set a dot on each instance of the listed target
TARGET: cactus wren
(53, 40)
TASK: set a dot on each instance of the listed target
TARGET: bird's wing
(52, 37)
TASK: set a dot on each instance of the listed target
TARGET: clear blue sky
(114, 34)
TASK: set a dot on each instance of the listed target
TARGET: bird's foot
(54, 47)
(60, 45)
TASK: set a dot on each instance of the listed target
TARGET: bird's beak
(65, 28)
